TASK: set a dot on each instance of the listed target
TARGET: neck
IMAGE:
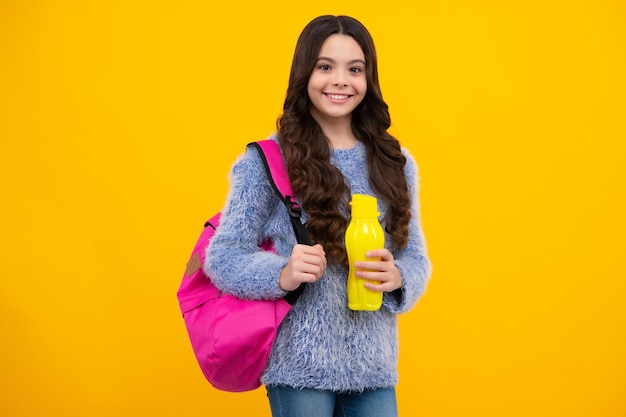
(338, 132)
(341, 142)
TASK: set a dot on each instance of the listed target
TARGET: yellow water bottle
(364, 233)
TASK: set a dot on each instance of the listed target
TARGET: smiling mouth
(338, 96)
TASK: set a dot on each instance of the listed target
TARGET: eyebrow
(354, 61)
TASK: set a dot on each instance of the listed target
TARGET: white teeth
(337, 96)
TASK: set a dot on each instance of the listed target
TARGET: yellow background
(119, 121)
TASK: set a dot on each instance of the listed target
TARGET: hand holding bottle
(383, 274)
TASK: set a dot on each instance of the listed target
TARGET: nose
(340, 80)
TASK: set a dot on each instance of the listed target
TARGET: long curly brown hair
(318, 185)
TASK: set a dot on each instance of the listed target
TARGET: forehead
(341, 48)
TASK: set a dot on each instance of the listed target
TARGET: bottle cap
(364, 206)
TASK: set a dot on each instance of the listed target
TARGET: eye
(356, 70)
(324, 67)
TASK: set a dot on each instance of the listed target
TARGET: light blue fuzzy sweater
(321, 344)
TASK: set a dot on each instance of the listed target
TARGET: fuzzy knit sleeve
(234, 261)
(412, 260)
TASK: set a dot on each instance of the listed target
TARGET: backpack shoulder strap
(274, 166)
(277, 174)
(279, 178)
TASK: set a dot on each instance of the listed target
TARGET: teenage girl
(327, 360)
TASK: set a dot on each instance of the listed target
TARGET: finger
(312, 250)
(314, 261)
(307, 256)
(315, 254)
(307, 272)
(313, 269)
(376, 287)
(373, 265)
(383, 254)
(372, 276)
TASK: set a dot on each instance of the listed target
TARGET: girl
(327, 360)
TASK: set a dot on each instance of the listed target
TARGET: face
(338, 83)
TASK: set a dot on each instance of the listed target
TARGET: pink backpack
(232, 337)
